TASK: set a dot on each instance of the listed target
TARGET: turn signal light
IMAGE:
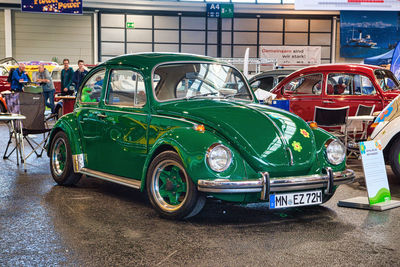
(373, 125)
(313, 125)
(199, 128)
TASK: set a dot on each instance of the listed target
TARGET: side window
(305, 85)
(266, 83)
(363, 86)
(91, 90)
(341, 84)
(126, 88)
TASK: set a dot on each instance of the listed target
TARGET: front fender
(321, 137)
(68, 125)
(192, 146)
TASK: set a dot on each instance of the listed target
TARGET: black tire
(394, 158)
(165, 193)
(61, 162)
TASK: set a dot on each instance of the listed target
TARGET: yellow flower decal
(297, 146)
(305, 133)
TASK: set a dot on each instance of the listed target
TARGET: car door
(350, 89)
(125, 123)
(90, 122)
(304, 93)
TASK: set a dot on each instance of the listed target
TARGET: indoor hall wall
(340, 59)
(45, 36)
(2, 40)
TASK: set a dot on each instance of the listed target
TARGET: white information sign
(292, 55)
(375, 172)
(375, 5)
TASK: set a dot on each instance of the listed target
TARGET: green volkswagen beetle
(185, 127)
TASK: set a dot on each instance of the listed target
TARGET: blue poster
(52, 6)
(367, 33)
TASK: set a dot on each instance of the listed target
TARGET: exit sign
(130, 25)
(216, 10)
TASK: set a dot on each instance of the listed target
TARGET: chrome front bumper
(265, 185)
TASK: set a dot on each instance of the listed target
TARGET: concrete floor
(101, 224)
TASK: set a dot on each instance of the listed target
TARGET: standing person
(19, 78)
(46, 82)
(66, 78)
(79, 74)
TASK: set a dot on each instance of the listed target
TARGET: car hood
(266, 137)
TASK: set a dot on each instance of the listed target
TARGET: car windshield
(386, 80)
(198, 80)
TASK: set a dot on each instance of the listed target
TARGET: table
(16, 132)
(364, 120)
(68, 103)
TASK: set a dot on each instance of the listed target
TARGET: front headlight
(335, 151)
(219, 157)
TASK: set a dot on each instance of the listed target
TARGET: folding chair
(13, 106)
(333, 119)
(357, 129)
(32, 106)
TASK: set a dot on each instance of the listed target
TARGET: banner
(395, 65)
(368, 34)
(52, 6)
(292, 55)
(375, 5)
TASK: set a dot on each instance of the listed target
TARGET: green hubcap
(59, 156)
(170, 185)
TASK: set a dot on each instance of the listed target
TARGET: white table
(364, 120)
(16, 132)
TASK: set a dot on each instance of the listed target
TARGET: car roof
(150, 60)
(277, 72)
(339, 67)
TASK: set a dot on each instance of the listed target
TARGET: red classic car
(337, 85)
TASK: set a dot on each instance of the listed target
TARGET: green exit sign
(130, 25)
(226, 10)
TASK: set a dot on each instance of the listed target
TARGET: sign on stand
(375, 178)
(375, 172)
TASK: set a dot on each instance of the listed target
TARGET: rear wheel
(61, 161)
(171, 191)
(394, 158)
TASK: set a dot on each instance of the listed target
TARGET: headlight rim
(227, 149)
(329, 142)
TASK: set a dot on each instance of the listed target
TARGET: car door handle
(101, 116)
(328, 102)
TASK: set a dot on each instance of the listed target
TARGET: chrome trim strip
(78, 162)
(278, 184)
(112, 178)
(112, 110)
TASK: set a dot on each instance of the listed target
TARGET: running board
(112, 178)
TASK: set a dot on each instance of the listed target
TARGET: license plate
(277, 201)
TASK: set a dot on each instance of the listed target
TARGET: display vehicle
(267, 80)
(387, 129)
(183, 127)
(337, 85)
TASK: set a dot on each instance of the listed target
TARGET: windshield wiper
(202, 95)
(237, 94)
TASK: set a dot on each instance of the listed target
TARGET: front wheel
(171, 191)
(61, 161)
(394, 158)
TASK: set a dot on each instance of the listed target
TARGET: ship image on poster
(367, 34)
